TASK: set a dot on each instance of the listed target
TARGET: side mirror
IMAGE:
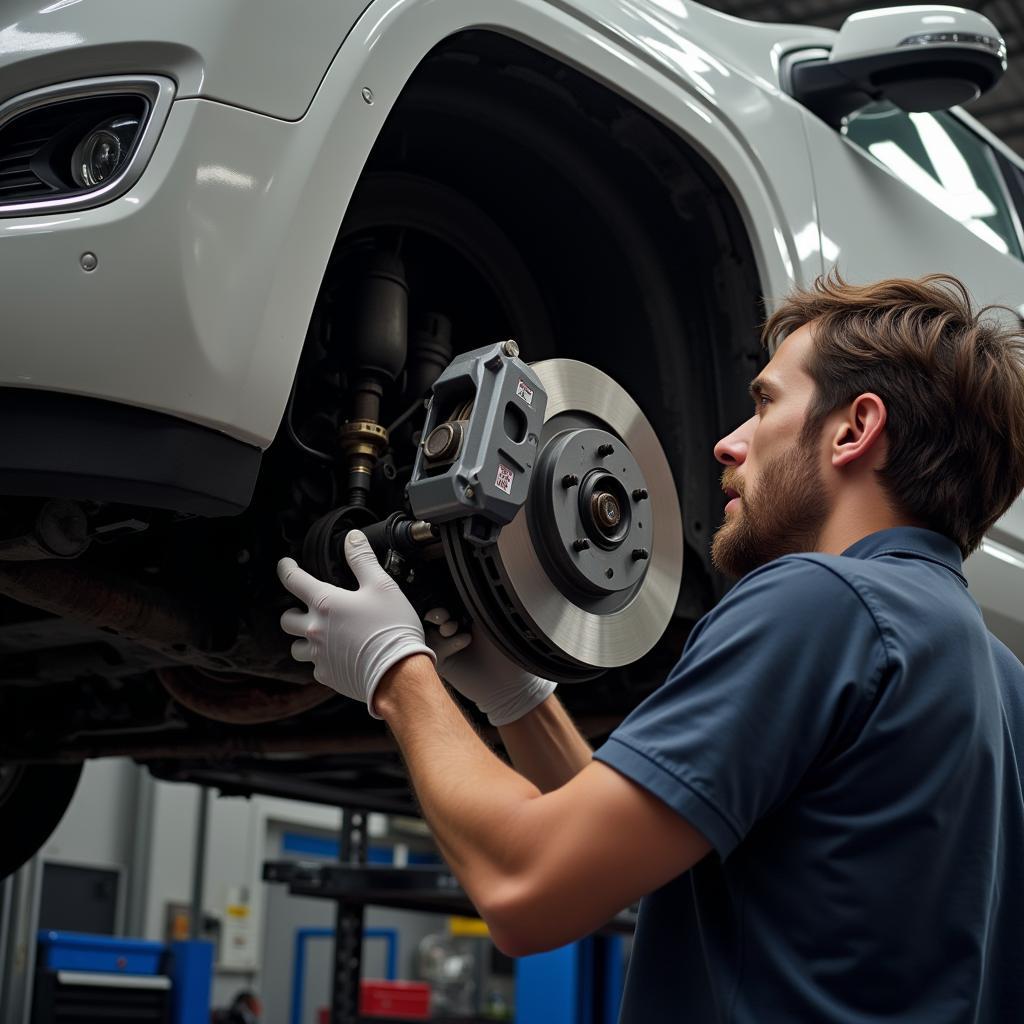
(919, 58)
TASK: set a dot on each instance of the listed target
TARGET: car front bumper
(184, 264)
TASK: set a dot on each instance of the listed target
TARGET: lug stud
(570, 480)
(640, 494)
(604, 450)
(641, 554)
(580, 544)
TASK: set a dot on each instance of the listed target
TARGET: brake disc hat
(585, 577)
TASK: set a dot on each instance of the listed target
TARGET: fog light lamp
(103, 151)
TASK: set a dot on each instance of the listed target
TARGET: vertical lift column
(584, 979)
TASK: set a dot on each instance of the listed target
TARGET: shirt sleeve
(782, 670)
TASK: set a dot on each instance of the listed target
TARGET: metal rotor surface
(621, 637)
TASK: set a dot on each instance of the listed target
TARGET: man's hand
(476, 667)
(352, 637)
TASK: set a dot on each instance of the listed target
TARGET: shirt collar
(910, 540)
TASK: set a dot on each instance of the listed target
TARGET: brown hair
(952, 380)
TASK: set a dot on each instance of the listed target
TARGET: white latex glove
(477, 668)
(352, 637)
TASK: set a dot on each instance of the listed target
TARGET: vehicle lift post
(582, 980)
(348, 934)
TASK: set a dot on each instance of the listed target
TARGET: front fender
(213, 261)
(749, 132)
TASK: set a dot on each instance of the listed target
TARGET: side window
(946, 163)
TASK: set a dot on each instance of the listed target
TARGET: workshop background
(135, 856)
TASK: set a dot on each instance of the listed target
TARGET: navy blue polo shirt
(848, 736)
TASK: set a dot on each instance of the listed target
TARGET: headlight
(103, 150)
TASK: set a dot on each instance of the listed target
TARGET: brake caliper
(480, 441)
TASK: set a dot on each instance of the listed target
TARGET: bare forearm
(546, 746)
(541, 869)
(470, 798)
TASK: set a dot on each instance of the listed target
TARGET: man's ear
(858, 434)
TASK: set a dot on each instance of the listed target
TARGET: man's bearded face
(780, 513)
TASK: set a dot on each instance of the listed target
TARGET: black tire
(33, 799)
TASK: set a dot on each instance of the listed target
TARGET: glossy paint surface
(260, 54)
(875, 31)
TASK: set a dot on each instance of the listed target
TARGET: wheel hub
(579, 512)
(605, 510)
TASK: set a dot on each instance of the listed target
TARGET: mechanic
(821, 805)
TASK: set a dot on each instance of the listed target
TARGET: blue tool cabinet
(96, 978)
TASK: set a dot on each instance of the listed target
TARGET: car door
(901, 195)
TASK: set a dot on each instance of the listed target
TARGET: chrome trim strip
(157, 90)
(993, 45)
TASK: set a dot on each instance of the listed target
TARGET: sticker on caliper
(505, 478)
(524, 391)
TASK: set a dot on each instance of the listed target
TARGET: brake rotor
(585, 578)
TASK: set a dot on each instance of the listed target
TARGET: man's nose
(732, 450)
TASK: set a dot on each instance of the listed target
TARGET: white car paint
(255, 54)
(871, 32)
(213, 260)
(209, 267)
(878, 227)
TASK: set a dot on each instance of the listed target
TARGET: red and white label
(524, 391)
(505, 478)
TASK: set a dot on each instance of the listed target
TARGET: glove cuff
(521, 702)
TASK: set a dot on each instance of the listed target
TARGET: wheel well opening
(620, 244)
(639, 251)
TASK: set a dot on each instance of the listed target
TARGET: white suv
(241, 242)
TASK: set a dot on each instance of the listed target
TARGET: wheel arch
(385, 53)
(703, 306)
